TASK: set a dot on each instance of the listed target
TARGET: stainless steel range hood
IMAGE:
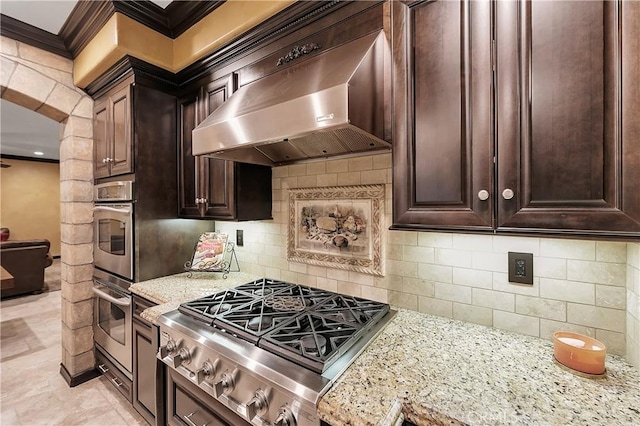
(327, 105)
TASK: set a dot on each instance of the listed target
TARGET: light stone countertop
(433, 370)
(169, 292)
(450, 372)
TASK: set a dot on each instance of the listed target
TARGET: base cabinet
(148, 397)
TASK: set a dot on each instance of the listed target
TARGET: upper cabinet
(511, 116)
(112, 116)
(213, 188)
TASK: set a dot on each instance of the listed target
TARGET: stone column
(43, 82)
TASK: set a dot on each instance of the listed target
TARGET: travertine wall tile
(337, 166)
(374, 293)
(78, 127)
(346, 287)
(518, 244)
(403, 300)
(403, 269)
(77, 364)
(307, 181)
(438, 273)
(453, 257)
(597, 272)
(394, 251)
(84, 108)
(548, 327)
(337, 274)
(501, 283)
(349, 178)
(549, 267)
(455, 293)
(472, 242)
(493, 299)
(370, 177)
(611, 252)
(597, 317)
(327, 284)
(360, 163)
(330, 179)
(487, 261)
(570, 291)
(62, 99)
(433, 306)
(316, 168)
(382, 161)
(472, 278)
(541, 308)
(418, 286)
(435, 240)
(516, 323)
(615, 342)
(474, 314)
(75, 273)
(78, 213)
(297, 169)
(611, 297)
(568, 249)
(417, 254)
(406, 238)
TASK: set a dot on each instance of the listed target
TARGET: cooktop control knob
(258, 404)
(224, 385)
(182, 356)
(285, 418)
(207, 371)
(168, 349)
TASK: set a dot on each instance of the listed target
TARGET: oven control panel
(235, 384)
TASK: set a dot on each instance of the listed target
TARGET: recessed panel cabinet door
(122, 155)
(565, 163)
(187, 171)
(442, 151)
(219, 180)
(100, 140)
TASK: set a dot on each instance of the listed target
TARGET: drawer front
(118, 379)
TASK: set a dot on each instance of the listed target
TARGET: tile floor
(32, 391)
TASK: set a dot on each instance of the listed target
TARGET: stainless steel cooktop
(269, 349)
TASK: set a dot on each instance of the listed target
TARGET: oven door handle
(126, 210)
(124, 301)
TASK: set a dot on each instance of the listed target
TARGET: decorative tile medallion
(338, 227)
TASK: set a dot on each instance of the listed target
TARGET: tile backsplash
(591, 287)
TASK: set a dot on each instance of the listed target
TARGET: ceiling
(23, 131)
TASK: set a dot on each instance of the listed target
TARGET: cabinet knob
(483, 194)
(507, 194)
(104, 161)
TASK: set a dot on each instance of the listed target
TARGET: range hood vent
(328, 105)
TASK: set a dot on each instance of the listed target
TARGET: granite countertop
(450, 372)
(446, 372)
(169, 292)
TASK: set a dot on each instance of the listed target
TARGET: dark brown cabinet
(511, 116)
(112, 115)
(148, 378)
(213, 188)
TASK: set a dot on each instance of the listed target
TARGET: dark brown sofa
(25, 260)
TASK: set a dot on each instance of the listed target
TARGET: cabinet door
(442, 150)
(188, 168)
(144, 366)
(100, 139)
(559, 112)
(218, 182)
(121, 117)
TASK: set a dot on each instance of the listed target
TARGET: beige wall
(30, 201)
(579, 285)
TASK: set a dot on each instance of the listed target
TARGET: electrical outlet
(239, 237)
(521, 268)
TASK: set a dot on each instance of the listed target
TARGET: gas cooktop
(308, 326)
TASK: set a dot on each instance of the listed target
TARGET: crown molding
(84, 22)
(33, 36)
(182, 15)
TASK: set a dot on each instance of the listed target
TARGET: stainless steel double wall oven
(113, 252)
